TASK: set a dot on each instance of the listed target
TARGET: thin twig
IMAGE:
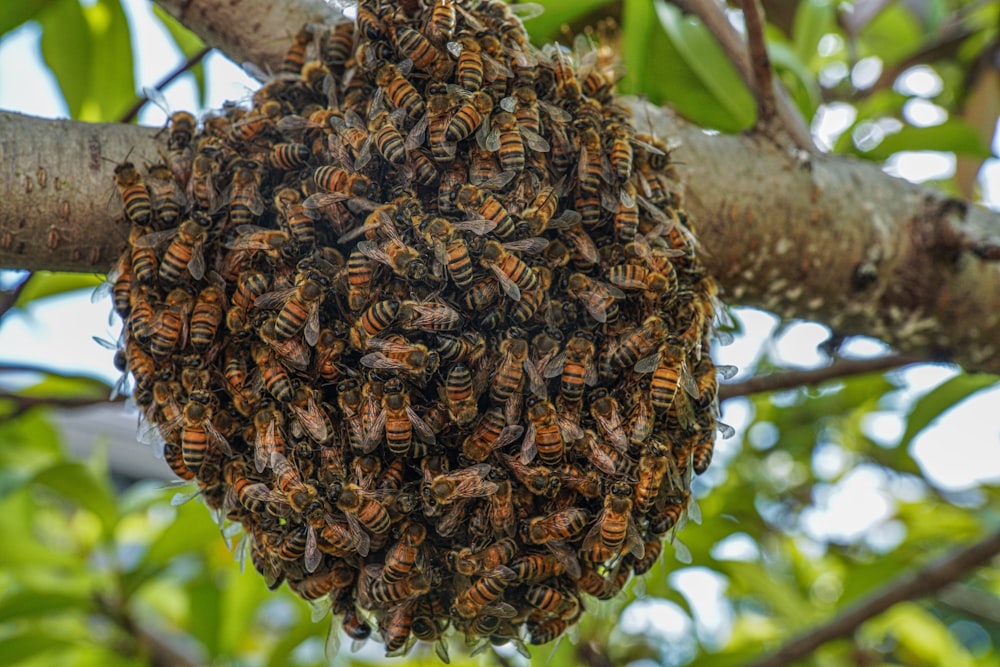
(166, 81)
(760, 63)
(159, 651)
(794, 379)
(918, 584)
(9, 297)
(714, 18)
(22, 404)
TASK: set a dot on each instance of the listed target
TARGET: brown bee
(300, 307)
(469, 562)
(615, 530)
(245, 202)
(132, 195)
(165, 194)
(379, 316)
(459, 396)
(484, 594)
(392, 83)
(169, 329)
(510, 271)
(558, 526)
(206, 316)
(466, 483)
(398, 421)
(543, 436)
(405, 555)
(470, 116)
(553, 601)
(276, 379)
(183, 256)
(492, 432)
(576, 366)
(481, 204)
(362, 509)
(198, 434)
(413, 45)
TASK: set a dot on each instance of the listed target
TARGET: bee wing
(509, 286)
(529, 246)
(613, 432)
(416, 136)
(509, 434)
(364, 153)
(379, 361)
(509, 103)
(313, 557)
(362, 541)
(557, 114)
(554, 368)
(154, 239)
(590, 374)
(196, 265)
(627, 198)
(725, 429)
(273, 300)
(420, 427)
(493, 69)
(601, 459)
(536, 383)
(324, 199)
(529, 448)
(565, 555)
(312, 326)
(373, 250)
(499, 181)
(435, 317)
(313, 420)
(727, 372)
(570, 430)
(535, 141)
(218, 438)
(488, 137)
(585, 246)
(477, 226)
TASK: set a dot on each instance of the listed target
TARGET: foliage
(95, 572)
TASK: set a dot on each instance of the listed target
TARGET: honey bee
(165, 194)
(587, 484)
(539, 480)
(378, 317)
(250, 242)
(131, 195)
(169, 330)
(509, 377)
(360, 272)
(441, 23)
(469, 482)
(501, 511)
(458, 395)
(338, 185)
(481, 204)
(268, 439)
(206, 316)
(313, 419)
(451, 250)
(413, 45)
(553, 601)
(470, 116)
(183, 255)
(484, 593)
(638, 344)
(288, 156)
(337, 45)
(395, 627)
(388, 140)
(576, 367)
(546, 631)
(383, 592)
(428, 316)
(403, 557)
(511, 272)
(469, 66)
(398, 421)
(201, 184)
(362, 509)
(198, 434)
(276, 380)
(552, 530)
(397, 354)
(615, 530)
(299, 308)
(468, 562)
(401, 258)
(491, 433)
(391, 81)
(249, 285)
(651, 469)
(543, 436)
(670, 371)
(597, 297)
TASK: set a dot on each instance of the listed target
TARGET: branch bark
(824, 238)
(920, 583)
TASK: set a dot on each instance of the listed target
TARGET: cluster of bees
(427, 320)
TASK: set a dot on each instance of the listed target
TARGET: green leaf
(940, 399)
(547, 26)
(113, 89)
(44, 284)
(894, 33)
(13, 14)
(190, 531)
(730, 106)
(788, 63)
(206, 608)
(955, 136)
(67, 386)
(76, 483)
(28, 604)
(813, 19)
(67, 47)
(29, 644)
(188, 43)
(638, 22)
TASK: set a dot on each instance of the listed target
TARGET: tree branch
(760, 65)
(829, 238)
(918, 584)
(10, 296)
(735, 48)
(795, 379)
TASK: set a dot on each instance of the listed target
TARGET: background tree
(94, 571)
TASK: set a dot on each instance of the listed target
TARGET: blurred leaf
(920, 638)
(281, 652)
(788, 63)
(67, 386)
(241, 595)
(29, 444)
(954, 135)
(113, 89)
(67, 47)
(76, 483)
(188, 43)
(205, 611)
(32, 603)
(44, 284)
(547, 26)
(189, 532)
(941, 398)
(891, 35)
(18, 647)
(731, 106)
(813, 19)
(13, 14)
(783, 599)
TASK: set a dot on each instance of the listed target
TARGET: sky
(852, 506)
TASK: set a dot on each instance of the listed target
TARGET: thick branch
(256, 31)
(760, 63)
(828, 238)
(920, 583)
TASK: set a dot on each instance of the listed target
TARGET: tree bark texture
(822, 238)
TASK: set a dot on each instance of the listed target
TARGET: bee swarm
(428, 321)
